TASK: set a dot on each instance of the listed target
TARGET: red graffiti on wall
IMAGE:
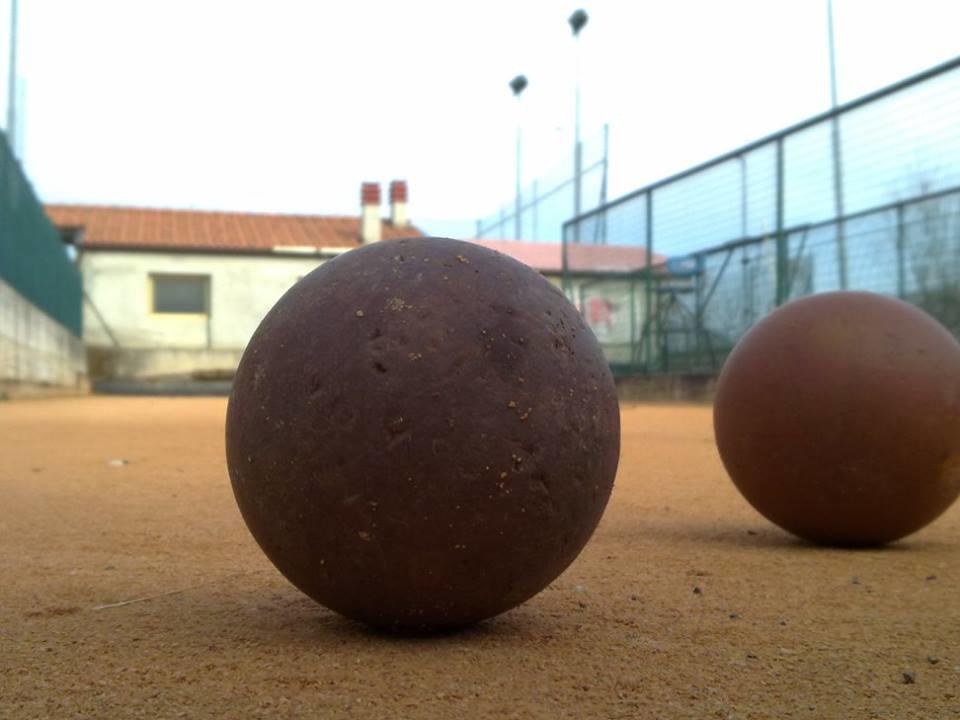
(600, 311)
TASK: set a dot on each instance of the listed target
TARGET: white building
(175, 293)
(602, 281)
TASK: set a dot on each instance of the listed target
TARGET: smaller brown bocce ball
(422, 434)
(838, 418)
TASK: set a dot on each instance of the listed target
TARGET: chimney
(398, 203)
(370, 229)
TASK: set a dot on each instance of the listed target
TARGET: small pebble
(932, 659)
(697, 591)
(909, 678)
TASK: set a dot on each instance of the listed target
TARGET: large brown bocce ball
(422, 434)
(838, 418)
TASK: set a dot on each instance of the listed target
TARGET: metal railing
(735, 237)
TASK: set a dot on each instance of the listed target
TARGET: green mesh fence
(33, 258)
(866, 197)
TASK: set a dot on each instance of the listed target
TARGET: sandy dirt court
(686, 603)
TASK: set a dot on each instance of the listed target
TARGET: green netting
(33, 258)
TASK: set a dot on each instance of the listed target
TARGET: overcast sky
(288, 105)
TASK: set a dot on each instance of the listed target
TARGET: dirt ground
(686, 604)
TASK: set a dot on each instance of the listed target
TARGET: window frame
(205, 278)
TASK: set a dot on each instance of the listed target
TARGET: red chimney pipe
(370, 193)
(398, 191)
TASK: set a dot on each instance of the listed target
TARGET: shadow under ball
(422, 434)
(838, 418)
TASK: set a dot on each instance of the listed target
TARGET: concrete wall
(127, 339)
(667, 388)
(37, 354)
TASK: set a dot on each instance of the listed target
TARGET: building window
(181, 294)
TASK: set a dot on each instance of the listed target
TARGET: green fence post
(648, 310)
(698, 308)
(901, 261)
(782, 262)
(633, 323)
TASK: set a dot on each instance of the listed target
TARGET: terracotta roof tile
(106, 226)
(548, 257)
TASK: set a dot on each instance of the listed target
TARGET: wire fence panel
(545, 204)
(930, 241)
(864, 197)
(33, 259)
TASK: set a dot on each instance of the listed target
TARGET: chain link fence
(33, 259)
(864, 197)
(544, 204)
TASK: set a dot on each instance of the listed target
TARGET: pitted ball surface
(422, 434)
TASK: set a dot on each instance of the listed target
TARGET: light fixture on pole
(518, 85)
(578, 21)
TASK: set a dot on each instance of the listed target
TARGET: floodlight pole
(12, 81)
(837, 157)
(517, 85)
(578, 21)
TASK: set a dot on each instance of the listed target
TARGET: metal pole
(536, 201)
(648, 310)
(837, 158)
(518, 85)
(603, 186)
(578, 21)
(782, 249)
(901, 264)
(12, 81)
(633, 322)
(518, 234)
(743, 195)
(747, 314)
(833, 66)
(698, 308)
(577, 147)
(565, 265)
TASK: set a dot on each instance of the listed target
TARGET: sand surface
(686, 604)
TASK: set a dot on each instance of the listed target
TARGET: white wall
(35, 350)
(119, 291)
(621, 328)
(242, 290)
